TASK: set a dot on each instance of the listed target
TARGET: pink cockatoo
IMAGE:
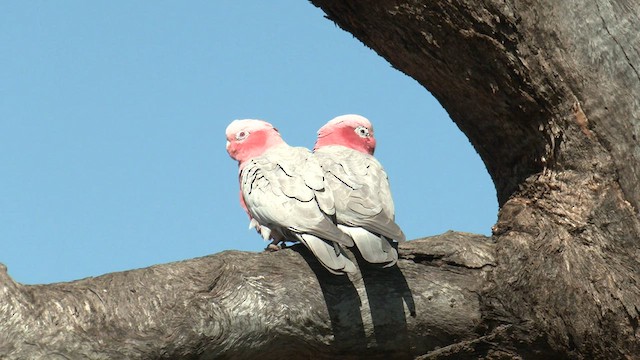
(284, 192)
(364, 207)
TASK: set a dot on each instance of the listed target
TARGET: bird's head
(249, 138)
(352, 131)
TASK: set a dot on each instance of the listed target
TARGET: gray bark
(241, 305)
(548, 93)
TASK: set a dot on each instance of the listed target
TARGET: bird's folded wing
(361, 190)
(277, 197)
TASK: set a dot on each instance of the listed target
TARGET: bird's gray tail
(328, 253)
(374, 248)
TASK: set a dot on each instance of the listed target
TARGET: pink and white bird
(284, 192)
(364, 206)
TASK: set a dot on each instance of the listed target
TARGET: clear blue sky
(112, 119)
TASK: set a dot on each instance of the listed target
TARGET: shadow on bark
(385, 304)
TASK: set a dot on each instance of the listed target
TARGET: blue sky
(112, 119)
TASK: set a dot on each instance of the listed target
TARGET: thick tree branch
(248, 305)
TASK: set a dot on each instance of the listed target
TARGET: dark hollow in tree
(548, 93)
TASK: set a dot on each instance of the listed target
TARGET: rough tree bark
(548, 93)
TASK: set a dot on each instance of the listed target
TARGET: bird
(360, 185)
(285, 194)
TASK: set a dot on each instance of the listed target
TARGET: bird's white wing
(277, 194)
(361, 190)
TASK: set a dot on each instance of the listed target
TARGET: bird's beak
(228, 144)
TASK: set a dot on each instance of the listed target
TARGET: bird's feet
(273, 246)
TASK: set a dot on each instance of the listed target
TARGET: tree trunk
(548, 93)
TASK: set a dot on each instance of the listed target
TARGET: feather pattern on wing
(364, 206)
(282, 190)
(361, 190)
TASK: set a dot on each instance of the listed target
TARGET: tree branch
(248, 305)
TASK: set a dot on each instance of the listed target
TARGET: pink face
(353, 131)
(250, 138)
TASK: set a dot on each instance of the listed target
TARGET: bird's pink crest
(352, 131)
(249, 138)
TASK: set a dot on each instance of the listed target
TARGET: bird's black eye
(362, 131)
(241, 135)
